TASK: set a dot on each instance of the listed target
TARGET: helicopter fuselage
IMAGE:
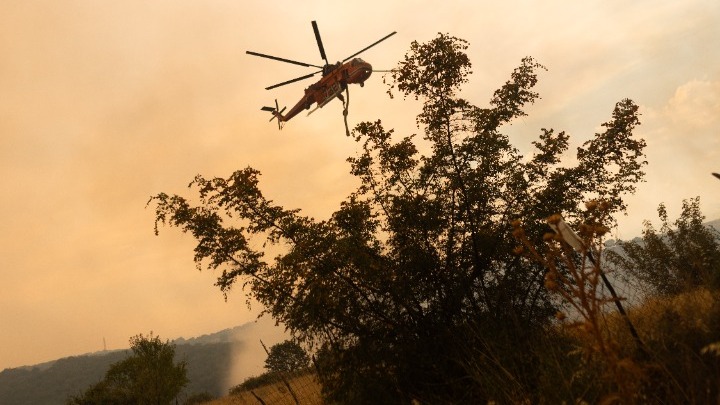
(335, 79)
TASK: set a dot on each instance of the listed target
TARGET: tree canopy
(148, 377)
(411, 286)
(677, 258)
(286, 357)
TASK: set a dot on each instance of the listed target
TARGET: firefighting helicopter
(335, 78)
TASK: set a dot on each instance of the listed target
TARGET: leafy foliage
(286, 357)
(149, 376)
(676, 258)
(412, 282)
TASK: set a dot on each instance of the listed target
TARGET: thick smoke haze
(103, 104)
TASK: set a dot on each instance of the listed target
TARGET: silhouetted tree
(286, 356)
(149, 376)
(677, 257)
(412, 285)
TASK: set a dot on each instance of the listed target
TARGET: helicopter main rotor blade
(370, 46)
(297, 79)
(262, 55)
(319, 42)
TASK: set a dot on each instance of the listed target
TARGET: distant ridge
(211, 360)
(224, 336)
(228, 335)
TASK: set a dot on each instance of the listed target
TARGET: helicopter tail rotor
(276, 112)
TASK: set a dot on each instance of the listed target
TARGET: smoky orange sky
(105, 103)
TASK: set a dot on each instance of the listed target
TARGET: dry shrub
(681, 335)
(574, 275)
(591, 355)
(679, 332)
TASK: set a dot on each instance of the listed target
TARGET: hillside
(216, 361)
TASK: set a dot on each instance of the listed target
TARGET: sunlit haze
(105, 103)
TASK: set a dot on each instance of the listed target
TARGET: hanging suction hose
(346, 105)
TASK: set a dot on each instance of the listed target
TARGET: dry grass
(680, 332)
(689, 311)
(306, 388)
